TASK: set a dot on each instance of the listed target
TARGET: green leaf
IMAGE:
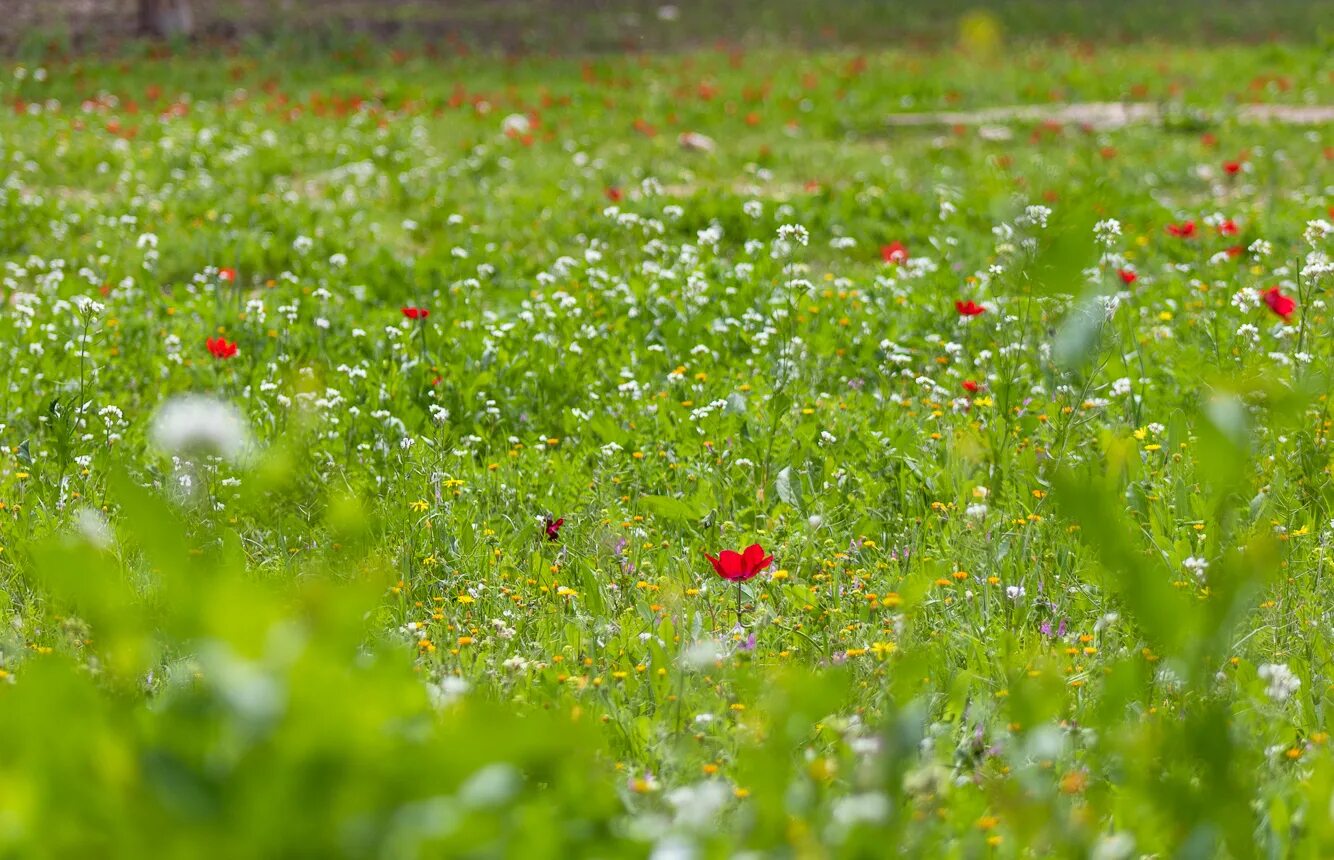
(671, 508)
(789, 490)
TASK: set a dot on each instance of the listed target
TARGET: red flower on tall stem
(416, 313)
(220, 347)
(740, 566)
(1184, 230)
(1128, 277)
(969, 308)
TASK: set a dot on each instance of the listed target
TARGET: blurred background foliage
(575, 26)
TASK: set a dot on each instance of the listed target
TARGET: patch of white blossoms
(196, 425)
(1280, 682)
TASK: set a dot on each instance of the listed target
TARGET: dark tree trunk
(165, 19)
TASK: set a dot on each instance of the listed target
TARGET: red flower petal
(731, 565)
(1279, 303)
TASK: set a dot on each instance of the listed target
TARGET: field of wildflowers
(424, 454)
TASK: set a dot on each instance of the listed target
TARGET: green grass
(1040, 617)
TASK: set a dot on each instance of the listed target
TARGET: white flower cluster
(1280, 682)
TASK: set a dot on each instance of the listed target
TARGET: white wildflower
(197, 424)
(1281, 683)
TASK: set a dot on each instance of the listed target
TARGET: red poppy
(614, 194)
(228, 275)
(1184, 230)
(969, 308)
(1232, 168)
(1279, 303)
(1127, 276)
(416, 313)
(1227, 228)
(971, 387)
(1235, 251)
(552, 528)
(220, 347)
(894, 252)
(740, 566)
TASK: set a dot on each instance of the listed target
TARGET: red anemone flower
(969, 308)
(228, 275)
(1279, 303)
(1127, 276)
(894, 252)
(1184, 230)
(740, 566)
(1232, 168)
(220, 347)
(1227, 228)
(971, 387)
(416, 313)
(552, 528)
